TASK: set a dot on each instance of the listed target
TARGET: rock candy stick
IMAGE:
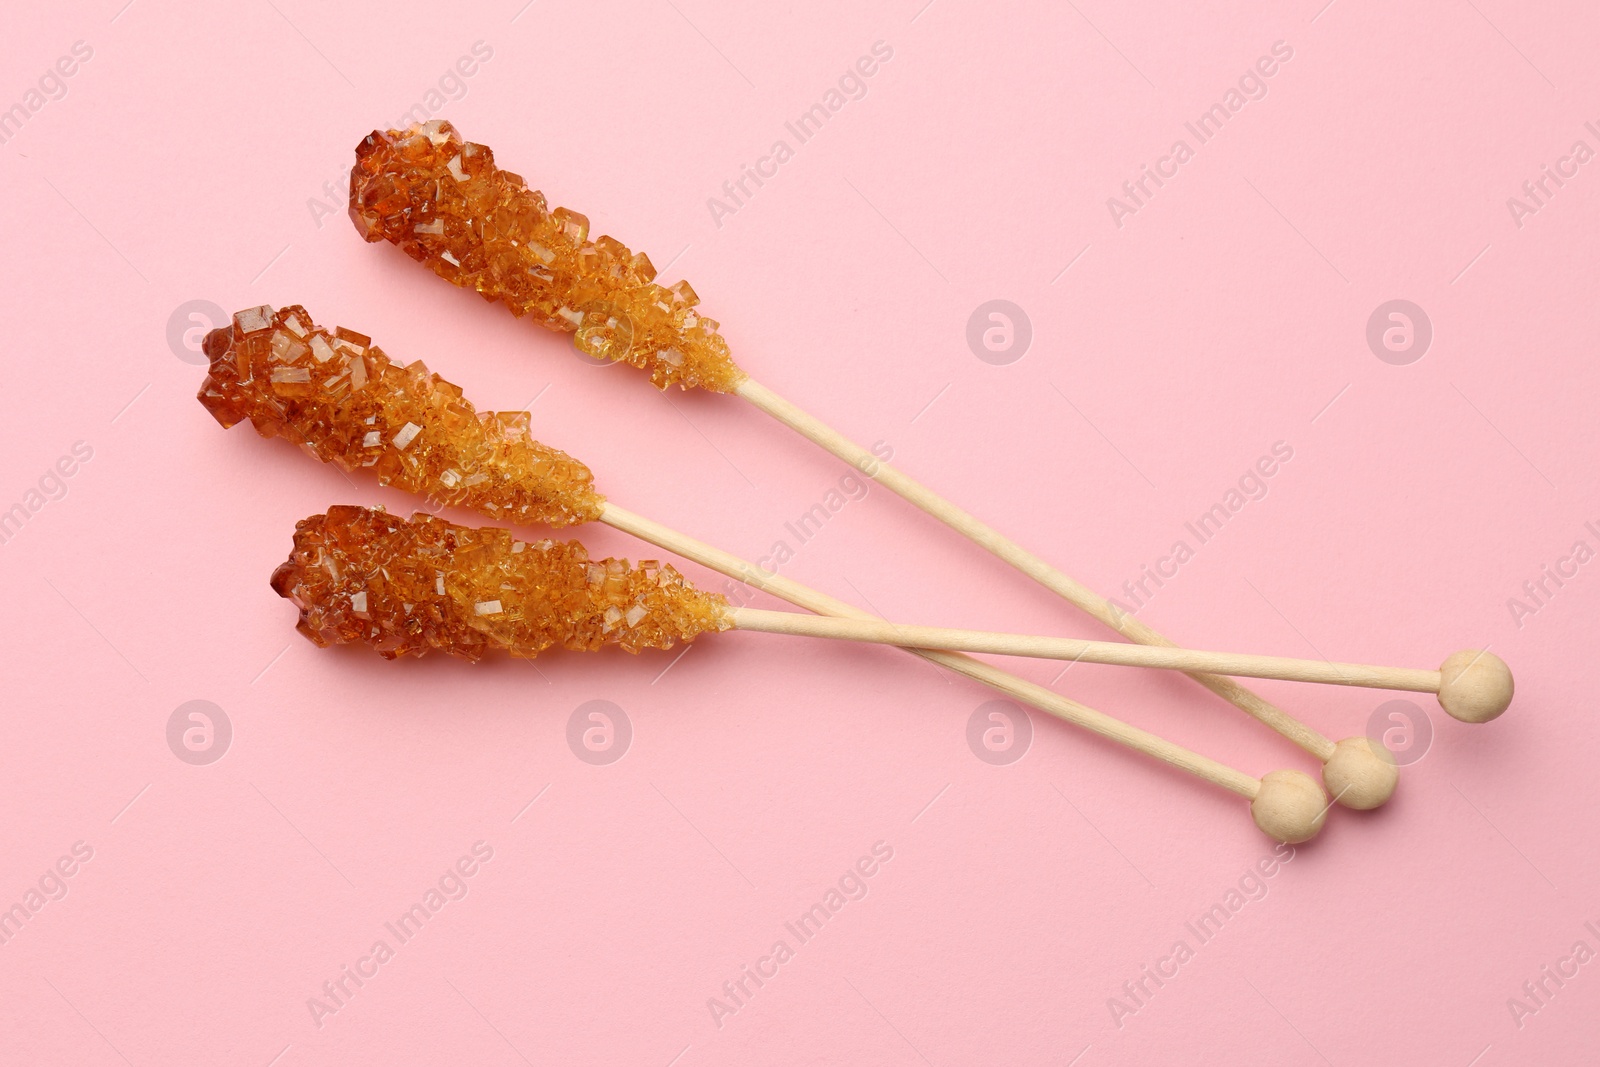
(407, 587)
(324, 412)
(445, 203)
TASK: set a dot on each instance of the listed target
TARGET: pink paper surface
(1179, 333)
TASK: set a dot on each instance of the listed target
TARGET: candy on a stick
(406, 587)
(445, 203)
(338, 395)
(411, 587)
(1287, 805)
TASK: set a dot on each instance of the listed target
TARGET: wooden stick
(1110, 652)
(996, 543)
(812, 600)
(1287, 805)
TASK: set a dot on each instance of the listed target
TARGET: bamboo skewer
(1472, 686)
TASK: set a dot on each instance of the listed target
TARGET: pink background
(1228, 313)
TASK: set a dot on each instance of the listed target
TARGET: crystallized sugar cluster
(338, 395)
(446, 204)
(409, 587)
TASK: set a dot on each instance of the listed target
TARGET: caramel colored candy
(445, 204)
(339, 396)
(411, 587)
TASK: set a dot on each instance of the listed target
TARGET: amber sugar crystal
(443, 201)
(409, 587)
(339, 396)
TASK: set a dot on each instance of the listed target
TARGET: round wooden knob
(1475, 686)
(1361, 773)
(1290, 806)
